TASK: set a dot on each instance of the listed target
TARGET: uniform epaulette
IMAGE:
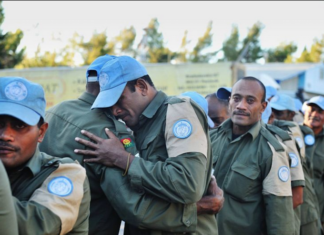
(271, 139)
(306, 130)
(282, 123)
(278, 131)
(174, 100)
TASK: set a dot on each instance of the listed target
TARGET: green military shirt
(112, 196)
(253, 171)
(318, 164)
(173, 140)
(51, 196)
(8, 218)
(309, 211)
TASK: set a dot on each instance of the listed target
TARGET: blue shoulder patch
(182, 129)
(60, 186)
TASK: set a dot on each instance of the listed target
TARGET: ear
(42, 131)
(142, 86)
(264, 105)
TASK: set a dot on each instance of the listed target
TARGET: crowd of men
(243, 160)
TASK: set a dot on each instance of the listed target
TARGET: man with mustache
(171, 135)
(251, 167)
(51, 195)
(314, 119)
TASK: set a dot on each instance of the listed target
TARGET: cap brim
(108, 98)
(309, 103)
(210, 122)
(277, 106)
(20, 112)
(223, 94)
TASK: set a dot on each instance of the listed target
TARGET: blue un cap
(22, 99)
(224, 93)
(283, 102)
(318, 100)
(113, 78)
(270, 91)
(96, 66)
(202, 102)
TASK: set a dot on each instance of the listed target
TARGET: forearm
(146, 211)
(180, 179)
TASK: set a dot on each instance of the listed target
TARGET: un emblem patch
(294, 159)
(60, 186)
(309, 140)
(283, 173)
(103, 79)
(16, 91)
(182, 129)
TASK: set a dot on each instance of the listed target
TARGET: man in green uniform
(252, 168)
(51, 195)
(283, 107)
(66, 121)
(8, 218)
(314, 119)
(171, 136)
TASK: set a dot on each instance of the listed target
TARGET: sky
(51, 23)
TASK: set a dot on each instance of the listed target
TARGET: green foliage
(9, 42)
(315, 53)
(204, 42)
(153, 39)
(251, 41)
(48, 59)
(125, 40)
(230, 45)
(281, 53)
(182, 55)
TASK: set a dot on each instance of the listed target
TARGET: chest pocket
(242, 182)
(153, 148)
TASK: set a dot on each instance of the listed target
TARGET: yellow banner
(68, 83)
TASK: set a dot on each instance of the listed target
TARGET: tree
(204, 42)
(182, 55)
(282, 53)
(251, 41)
(9, 42)
(315, 53)
(230, 46)
(125, 41)
(153, 40)
(97, 46)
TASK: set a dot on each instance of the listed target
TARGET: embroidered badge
(182, 129)
(103, 79)
(294, 159)
(127, 142)
(283, 173)
(60, 186)
(299, 142)
(16, 91)
(309, 139)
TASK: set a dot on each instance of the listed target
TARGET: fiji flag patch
(127, 142)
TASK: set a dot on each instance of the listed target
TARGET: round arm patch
(60, 186)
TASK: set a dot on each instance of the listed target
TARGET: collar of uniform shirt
(253, 131)
(35, 163)
(87, 97)
(154, 105)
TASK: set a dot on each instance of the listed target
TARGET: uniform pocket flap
(147, 141)
(249, 172)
